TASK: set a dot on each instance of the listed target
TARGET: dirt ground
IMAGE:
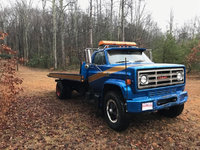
(39, 120)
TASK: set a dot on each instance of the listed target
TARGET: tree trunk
(122, 21)
(26, 41)
(118, 28)
(131, 5)
(62, 34)
(100, 9)
(42, 28)
(76, 27)
(111, 19)
(171, 21)
(25, 35)
(91, 26)
(54, 34)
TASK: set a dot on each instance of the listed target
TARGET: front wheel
(114, 111)
(172, 111)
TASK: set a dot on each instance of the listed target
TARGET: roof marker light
(119, 43)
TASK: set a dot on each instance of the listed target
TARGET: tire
(63, 91)
(172, 112)
(114, 112)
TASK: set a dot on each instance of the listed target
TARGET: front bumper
(158, 102)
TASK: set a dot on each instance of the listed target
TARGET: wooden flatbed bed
(67, 76)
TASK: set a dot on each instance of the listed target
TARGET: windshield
(118, 56)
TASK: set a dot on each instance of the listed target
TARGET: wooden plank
(75, 77)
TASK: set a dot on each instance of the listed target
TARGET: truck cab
(124, 80)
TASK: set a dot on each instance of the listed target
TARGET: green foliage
(186, 47)
(5, 56)
(167, 50)
(157, 49)
(41, 61)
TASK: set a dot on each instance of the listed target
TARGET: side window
(99, 58)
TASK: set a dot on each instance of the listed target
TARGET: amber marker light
(128, 81)
(82, 78)
(120, 43)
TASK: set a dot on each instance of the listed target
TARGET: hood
(153, 65)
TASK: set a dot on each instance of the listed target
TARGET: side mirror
(87, 66)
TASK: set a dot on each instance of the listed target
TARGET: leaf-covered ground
(38, 120)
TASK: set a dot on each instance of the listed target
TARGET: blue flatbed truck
(123, 80)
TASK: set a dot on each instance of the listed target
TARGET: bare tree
(119, 16)
(23, 9)
(91, 25)
(62, 32)
(171, 21)
(76, 24)
(54, 33)
(123, 20)
(43, 41)
(131, 6)
(111, 19)
(42, 25)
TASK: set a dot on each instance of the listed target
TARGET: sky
(183, 10)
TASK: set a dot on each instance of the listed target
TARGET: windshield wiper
(122, 61)
(139, 61)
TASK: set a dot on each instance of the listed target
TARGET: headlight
(143, 79)
(179, 76)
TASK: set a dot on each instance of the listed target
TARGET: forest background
(56, 34)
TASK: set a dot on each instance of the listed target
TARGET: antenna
(126, 77)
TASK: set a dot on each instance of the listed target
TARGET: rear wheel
(114, 111)
(173, 111)
(63, 91)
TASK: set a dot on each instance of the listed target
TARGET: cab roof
(120, 48)
(125, 48)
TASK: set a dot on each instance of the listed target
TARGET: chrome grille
(160, 77)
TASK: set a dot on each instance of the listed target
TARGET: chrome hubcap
(112, 110)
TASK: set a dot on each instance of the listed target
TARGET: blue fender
(125, 89)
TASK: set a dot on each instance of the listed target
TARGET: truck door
(96, 76)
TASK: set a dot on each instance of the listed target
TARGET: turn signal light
(128, 81)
